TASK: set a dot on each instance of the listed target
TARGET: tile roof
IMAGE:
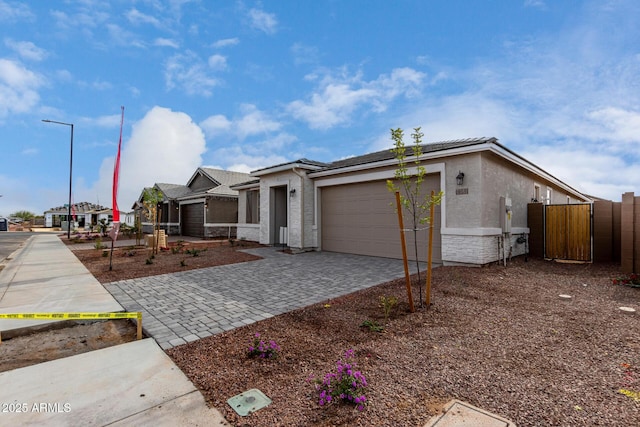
(173, 191)
(226, 177)
(302, 161)
(79, 208)
(426, 148)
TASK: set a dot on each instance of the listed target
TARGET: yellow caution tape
(71, 316)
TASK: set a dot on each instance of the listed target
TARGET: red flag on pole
(116, 178)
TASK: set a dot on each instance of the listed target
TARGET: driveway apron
(186, 306)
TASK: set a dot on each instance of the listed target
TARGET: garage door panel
(361, 219)
(192, 220)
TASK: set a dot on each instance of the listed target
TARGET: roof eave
(285, 167)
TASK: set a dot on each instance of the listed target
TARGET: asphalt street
(10, 241)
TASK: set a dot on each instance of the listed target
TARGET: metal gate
(568, 232)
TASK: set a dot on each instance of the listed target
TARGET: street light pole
(70, 172)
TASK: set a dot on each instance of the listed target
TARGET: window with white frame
(549, 193)
(536, 193)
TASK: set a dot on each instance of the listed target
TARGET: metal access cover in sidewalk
(461, 414)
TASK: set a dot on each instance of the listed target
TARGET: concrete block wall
(250, 232)
(477, 250)
(219, 231)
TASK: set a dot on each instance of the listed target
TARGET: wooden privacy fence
(612, 230)
(568, 232)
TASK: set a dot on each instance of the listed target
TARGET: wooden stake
(111, 256)
(430, 252)
(407, 277)
(139, 322)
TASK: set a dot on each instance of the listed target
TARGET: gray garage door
(358, 219)
(192, 220)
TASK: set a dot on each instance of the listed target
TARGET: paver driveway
(186, 306)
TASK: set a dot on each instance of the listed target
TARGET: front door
(278, 200)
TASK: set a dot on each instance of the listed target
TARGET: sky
(242, 85)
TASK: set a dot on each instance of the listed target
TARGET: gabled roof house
(345, 206)
(85, 215)
(205, 207)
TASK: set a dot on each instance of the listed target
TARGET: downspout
(302, 175)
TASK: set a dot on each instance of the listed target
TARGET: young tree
(408, 182)
(151, 198)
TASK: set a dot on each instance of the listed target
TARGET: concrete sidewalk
(129, 384)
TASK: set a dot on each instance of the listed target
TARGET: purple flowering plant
(346, 385)
(262, 348)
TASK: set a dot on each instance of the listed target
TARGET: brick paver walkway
(186, 306)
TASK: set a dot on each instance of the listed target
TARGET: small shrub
(388, 304)
(192, 252)
(105, 254)
(262, 349)
(149, 261)
(345, 385)
(98, 244)
(183, 263)
(175, 250)
(372, 325)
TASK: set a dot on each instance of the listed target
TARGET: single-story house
(85, 216)
(345, 206)
(205, 207)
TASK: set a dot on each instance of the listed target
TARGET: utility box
(4, 224)
(505, 214)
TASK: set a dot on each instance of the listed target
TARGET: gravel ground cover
(497, 337)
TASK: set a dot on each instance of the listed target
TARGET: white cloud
(27, 50)
(166, 43)
(254, 122)
(215, 125)
(122, 37)
(540, 4)
(13, 12)
(165, 147)
(18, 88)
(217, 62)
(189, 72)
(30, 151)
(239, 161)
(587, 170)
(338, 97)
(136, 17)
(225, 43)
(303, 54)
(110, 121)
(251, 122)
(263, 21)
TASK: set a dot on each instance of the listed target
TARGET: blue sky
(242, 84)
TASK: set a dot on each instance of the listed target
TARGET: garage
(192, 219)
(359, 219)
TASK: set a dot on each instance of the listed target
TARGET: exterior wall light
(292, 192)
(460, 178)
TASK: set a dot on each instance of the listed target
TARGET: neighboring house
(85, 216)
(205, 207)
(344, 206)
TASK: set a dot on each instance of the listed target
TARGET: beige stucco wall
(300, 208)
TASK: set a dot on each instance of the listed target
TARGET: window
(548, 201)
(253, 207)
(536, 193)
